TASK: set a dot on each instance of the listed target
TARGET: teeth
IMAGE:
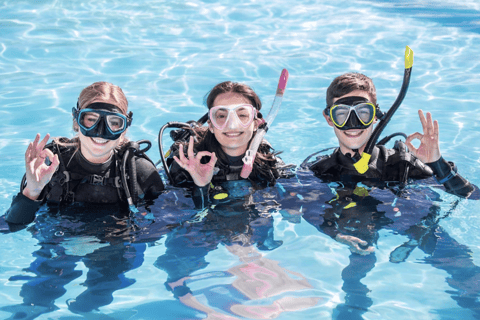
(233, 134)
(353, 133)
(99, 140)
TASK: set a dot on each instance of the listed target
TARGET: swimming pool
(166, 56)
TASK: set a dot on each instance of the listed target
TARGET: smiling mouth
(233, 134)
(99, 140)
(353, 133)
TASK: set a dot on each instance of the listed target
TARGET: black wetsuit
(86, 183)
(391, 166)
(227, 172)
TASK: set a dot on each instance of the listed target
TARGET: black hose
(124, 174)
(173, 124)
(133, 176)
(183, 136)
(386, 118)
(388, 138)
(132, 149)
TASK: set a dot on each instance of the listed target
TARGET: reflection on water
(167, 55)
(356, 214)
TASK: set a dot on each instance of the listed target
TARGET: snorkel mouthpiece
(362, 165)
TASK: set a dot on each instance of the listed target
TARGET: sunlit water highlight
(167, 55)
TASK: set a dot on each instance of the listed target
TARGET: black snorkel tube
(362, 164)
(177, 135)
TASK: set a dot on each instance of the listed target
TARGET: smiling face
(353, 138)
(234, 137)
(96, 149)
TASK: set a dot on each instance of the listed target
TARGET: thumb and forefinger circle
(410, 138)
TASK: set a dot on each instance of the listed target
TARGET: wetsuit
(79, 181)
(392, 165)
(227, 172)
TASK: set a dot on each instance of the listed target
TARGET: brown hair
(104, 92)
(234, 87)
(349, 82)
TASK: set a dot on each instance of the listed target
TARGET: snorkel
(252, 151)
(362, 164)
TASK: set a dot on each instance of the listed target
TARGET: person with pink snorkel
(215, 154)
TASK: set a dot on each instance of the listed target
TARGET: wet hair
(233, 87)
(349, 82)
(265, 160)
(98, 92)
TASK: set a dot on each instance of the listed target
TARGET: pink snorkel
(252, 151)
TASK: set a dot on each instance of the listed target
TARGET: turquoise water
(166, 56)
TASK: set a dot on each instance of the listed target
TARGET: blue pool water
(272, 261)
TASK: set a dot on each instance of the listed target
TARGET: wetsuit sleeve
(22, 210)
(148, 178)
(446, 174)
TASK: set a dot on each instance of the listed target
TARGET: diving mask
(245, 114)
(352, 113)
(99, 120)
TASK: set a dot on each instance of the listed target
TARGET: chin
(353, 143)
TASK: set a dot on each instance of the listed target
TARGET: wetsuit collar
(92, 167)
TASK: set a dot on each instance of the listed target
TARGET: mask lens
(220, 116)
(365, 113)
(244, 114)
(115, 123)
(340, 114)
(89, 119)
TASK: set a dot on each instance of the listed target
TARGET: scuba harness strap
(390, 164)
(64, 183)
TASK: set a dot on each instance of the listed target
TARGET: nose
(233, 121)
(353, 119)
(101, 128)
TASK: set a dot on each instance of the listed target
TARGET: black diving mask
(352, 113)
(101, 120)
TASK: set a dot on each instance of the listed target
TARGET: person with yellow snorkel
(352, 111)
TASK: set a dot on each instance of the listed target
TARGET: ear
(327, 118)
(255, 125)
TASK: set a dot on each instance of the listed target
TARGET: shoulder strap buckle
(97, 180)
(66, 177)
(117, 182)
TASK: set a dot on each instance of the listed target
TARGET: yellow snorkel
(362, 164)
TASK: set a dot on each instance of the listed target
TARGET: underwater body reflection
(106, 239)
(253, 286)
(354, 213)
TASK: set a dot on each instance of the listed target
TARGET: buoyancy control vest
(395, 165)
(114, 184)
(266, 174)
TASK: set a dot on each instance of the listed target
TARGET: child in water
(352, 111)
(87, 168)
(234, 117)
